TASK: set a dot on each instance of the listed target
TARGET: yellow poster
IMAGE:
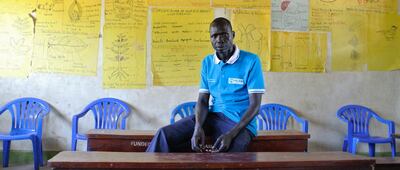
(180, 41)
(327, 13)
(241, 3)
(253, 29)
(323, 14)
(67, 34)
(298, 51)
(180, 3)
(124, 60)
(16, 37)
(349, 43)
(384, 42)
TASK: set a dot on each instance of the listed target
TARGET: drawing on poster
(63, 46)
(251, 38)
(120, 48)
(75, 11)
(123, 8)
(354, 42)
(390, 33)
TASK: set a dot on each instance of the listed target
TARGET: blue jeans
(176, 137)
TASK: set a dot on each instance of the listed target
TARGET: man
(234, 80)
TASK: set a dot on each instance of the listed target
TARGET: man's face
(221, 37)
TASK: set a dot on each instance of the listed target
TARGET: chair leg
(393, 145)
(371, 149)
(40, 151)
(354, 146)
(35, 153)
(6, 152)
(345, 149)
(73, 144)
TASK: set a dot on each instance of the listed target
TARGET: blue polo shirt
(230, 83)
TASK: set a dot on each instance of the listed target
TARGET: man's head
(221, 35)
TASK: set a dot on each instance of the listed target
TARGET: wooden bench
(138, 140)
(245, 160)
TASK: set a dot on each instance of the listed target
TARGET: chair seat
(17, 136)
(373, 139)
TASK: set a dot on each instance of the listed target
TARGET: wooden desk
(138, 140)
(245, 160)
(387, 163)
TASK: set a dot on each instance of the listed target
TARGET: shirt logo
(212, 80)
(235, 81)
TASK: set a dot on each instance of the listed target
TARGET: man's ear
(233, 34)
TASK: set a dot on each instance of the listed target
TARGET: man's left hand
(223, 142)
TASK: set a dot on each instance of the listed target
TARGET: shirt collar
(231, 60)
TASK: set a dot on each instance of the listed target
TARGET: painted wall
(315, 97)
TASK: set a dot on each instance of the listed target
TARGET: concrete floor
(24, 167)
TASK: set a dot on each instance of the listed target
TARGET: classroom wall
(315, 96)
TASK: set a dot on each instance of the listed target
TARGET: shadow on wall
(331, 125)
(152, 121)
(51, 135)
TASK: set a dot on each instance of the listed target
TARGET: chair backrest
(109, 113)
(183, 110)
(274, 117)
(358, 116)
(27, 114)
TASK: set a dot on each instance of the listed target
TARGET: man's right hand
(198, 139)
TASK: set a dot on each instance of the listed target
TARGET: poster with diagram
(16, 38)
(67, 37)
(124, 60)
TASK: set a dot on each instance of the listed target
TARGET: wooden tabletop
(127, 134)
(68, 159)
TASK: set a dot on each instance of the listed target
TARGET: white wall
(314, 96)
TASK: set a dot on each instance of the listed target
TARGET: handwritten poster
(349, 43)
(67, 34)
(253, 32)
(180, 3)
(290, 15)
(16, 38)
(124, 60)
(241, 4)
(180, 40)
(324, 14)
(384, 42)
(298, 51)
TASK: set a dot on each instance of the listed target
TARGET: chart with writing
(180, 3)
(349, 43)
(298, 51)
(124, 61)
(384, 42)
(67, 36)
(241, 3)
(290, 15)
(180, 40)
(355, 35)
(16, 38)
(253, 29)
(325, 13)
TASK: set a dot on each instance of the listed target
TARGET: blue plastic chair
(275, 117)
(183, 110)
(108, 113)
(357, 118)
(26, 116)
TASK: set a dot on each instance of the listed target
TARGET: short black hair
(221, 21)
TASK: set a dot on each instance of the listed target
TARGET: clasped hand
(221, 144)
